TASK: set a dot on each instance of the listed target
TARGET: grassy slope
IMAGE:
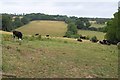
(53, 28)
(59, 58)
(97, 25)
(56, 57)
(99, 35)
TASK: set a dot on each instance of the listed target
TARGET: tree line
(13, 21)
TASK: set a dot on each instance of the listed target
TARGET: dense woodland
(13, 21)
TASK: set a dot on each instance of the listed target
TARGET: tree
(71, 30)
(6, 22)
(25, 20)
(113, 32)
(118, 26)
(79, 24)
(82, 23)
(17, 22)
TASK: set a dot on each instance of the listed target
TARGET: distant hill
(44, 27)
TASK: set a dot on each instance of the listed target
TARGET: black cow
(101, 42)
(114, 42)
(47, 35)
(79, 40)
(64, 36)
(17, 34)
(106, 42)
(95, 41)
(36, 34)
(83, 37)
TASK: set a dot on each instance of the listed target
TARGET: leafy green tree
(72, 27)
(17, 22)
(113, 32)
(6, 22)
(82, 23)
(71, 30)
(118, 26)
(79, 24)
(25, 20)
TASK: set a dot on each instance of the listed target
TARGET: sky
(79, 8)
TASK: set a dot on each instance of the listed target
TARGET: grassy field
(99, 35)
(59, 58)
(97, 25)
(53, 28)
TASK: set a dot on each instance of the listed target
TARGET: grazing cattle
(64, 36)
(95, 41)
(79, 40)
(106, 42)
(83, 37)
(17, 34)
(101, 42)
(114, 42)
(47, 35)
(36, 34)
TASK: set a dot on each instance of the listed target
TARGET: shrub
(71, 31)
(94, 39)
(87, 37)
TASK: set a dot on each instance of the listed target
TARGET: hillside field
(54, 28)
(97, 25)
(44, 27)
(58, 58)
(99, 35)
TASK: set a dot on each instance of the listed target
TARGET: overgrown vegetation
(113, 28)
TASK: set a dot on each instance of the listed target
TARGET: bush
(87, 37)
(71, 31)
(94, 39)
(68, 34)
